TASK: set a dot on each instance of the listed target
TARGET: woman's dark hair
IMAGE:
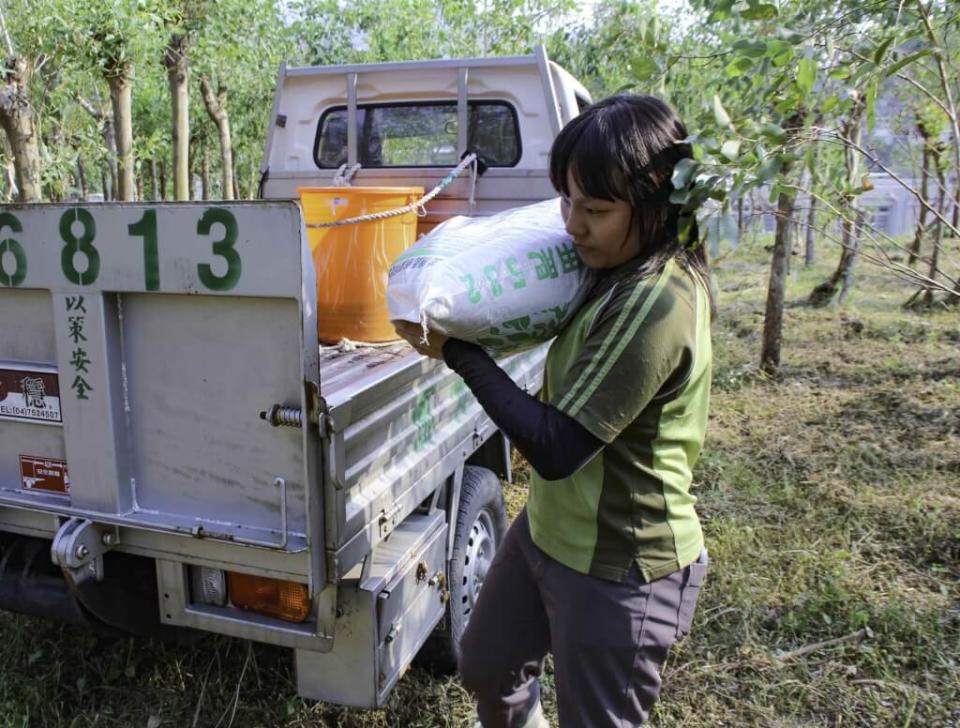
(625, 147)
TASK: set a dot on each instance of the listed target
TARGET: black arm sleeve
(554, 444)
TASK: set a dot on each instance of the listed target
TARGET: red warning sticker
(44, 474)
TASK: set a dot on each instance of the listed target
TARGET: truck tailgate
(139, 345)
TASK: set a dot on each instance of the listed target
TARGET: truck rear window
(418, 134)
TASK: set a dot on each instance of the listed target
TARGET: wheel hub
(481, 547)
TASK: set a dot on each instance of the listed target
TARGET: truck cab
(178, 452)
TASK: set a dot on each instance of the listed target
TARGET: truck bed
(395, 424)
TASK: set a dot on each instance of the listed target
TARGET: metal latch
(79, 546)
(388, 520)
(392, 632)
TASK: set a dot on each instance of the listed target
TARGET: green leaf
(782, 58)
(829, 104)
(709, 145)
(775, 191)
(865, 70)
(778, 46)
(770, 168)
(650, 37)
(682, 173)
(760, 11)
(730, 149)
(750, 48)
(871, 101)
(738, 66)
(807, 75)
(774, 132)
(906, 61)
(789, 103)
(810, 159)
(882, 49)
(791, 36)
(644, 68)
(720, 114)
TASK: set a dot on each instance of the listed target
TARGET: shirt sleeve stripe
(600, 365)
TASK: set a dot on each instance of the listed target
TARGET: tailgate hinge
(79, 546)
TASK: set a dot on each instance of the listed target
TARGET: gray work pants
(609, 639)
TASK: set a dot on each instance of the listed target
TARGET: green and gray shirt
(632, 367)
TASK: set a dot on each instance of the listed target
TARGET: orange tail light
(286, 600)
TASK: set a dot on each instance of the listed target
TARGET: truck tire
(481, 525)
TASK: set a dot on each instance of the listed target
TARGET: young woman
(604, 565)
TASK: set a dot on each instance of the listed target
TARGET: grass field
(831, 502)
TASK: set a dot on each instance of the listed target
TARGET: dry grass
(832, 510)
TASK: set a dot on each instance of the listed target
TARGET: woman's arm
(554, 444)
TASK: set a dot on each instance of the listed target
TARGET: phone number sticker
(30, 395)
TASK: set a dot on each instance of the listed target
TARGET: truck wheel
(481, 525)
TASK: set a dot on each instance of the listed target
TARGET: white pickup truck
(177, 451)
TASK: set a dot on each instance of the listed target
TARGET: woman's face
(602, 229)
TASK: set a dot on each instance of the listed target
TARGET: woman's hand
(413, 335)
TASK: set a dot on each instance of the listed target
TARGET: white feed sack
(506, 282)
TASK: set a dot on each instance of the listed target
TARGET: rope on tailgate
(470, 159)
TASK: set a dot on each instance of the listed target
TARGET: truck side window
(418, 134)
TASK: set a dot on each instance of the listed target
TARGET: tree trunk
(956, 199)
(9, 174)
(105, 122)
(936, 152)
(740, 230)
(847, 281)
(104, 183)
(140, 186)
(192, 173)
(58, 180)
(810, 251)
(120, 80)
(217, 109)
(924, 192)
(776, 290)
(205, 175)
(9, 180)
(178, 76)
(82, 178)
(852, 223)
(779, 265)
(162, 178)
(19, 122)
(110, 137)
(154, 186)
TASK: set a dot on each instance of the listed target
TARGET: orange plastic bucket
(352, 261)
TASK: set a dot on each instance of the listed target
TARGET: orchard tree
(238, 50)
(22, 59)
(112, 40)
